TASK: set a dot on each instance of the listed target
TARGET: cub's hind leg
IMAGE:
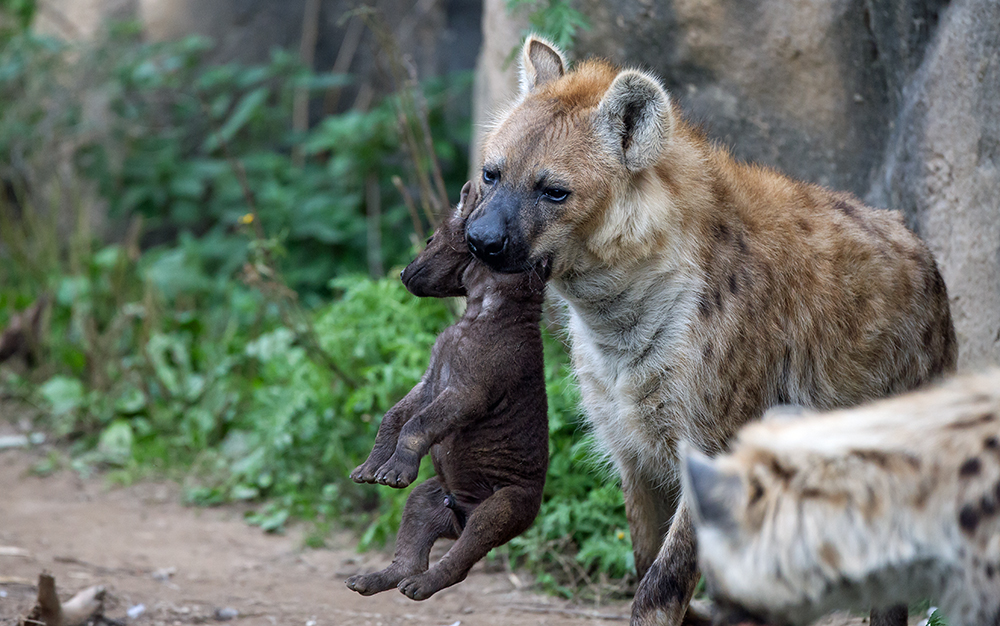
(504, 515)
(425, 519)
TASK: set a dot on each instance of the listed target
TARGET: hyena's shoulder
(871, 506)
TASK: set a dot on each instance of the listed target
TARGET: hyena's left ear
(634, 119)
(541, 62)
(711, 493)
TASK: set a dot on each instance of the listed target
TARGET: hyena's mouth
(498, 241)
(504, 258)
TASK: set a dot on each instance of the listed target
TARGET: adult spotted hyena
(892, 502)
(700, 290)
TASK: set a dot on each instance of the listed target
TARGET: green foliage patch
(228, 336)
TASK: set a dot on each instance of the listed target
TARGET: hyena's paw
(368, 584)
(399, 471)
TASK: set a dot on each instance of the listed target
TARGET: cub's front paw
(364, 473)
(399, 471)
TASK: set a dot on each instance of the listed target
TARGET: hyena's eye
(490, 177)
(555, 194)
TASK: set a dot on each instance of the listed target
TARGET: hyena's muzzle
(496, 229)
(507, 230)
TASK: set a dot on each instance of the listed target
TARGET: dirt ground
(185, 565)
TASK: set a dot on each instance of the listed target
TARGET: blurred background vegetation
(212, 250)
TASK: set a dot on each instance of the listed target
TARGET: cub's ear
(712, 494)
(469, 199)
(541, 62)
(634, 119)
(463, 207)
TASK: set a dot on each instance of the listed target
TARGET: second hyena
(889, 503)
(700, 290)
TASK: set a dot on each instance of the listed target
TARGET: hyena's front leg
(665, 591)
(894, 616)
(388, 433)
(426, 517)
(648, 507)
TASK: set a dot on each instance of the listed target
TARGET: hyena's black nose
(486, 243)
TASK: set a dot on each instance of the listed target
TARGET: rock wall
(897, 101)
(942, 169)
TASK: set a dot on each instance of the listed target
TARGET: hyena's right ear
(634, 119)
(541, 62)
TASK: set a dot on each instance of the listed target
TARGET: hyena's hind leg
(499, 518)
(425, 519)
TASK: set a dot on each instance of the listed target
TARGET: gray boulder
(942, 169)
(894, 100)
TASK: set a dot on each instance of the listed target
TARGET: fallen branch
(48, 611)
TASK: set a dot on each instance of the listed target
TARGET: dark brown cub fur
(480, 409)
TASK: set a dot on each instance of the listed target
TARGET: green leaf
(62, 394)
(247, 107)
(115, 443)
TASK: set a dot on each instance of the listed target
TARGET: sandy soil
(185, 563)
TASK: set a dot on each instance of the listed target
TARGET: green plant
(230, 337)
(555, 19)
(20, 12)
(936, 619)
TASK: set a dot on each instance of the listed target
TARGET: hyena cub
(890, 503)
(480, 409)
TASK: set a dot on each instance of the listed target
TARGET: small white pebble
(135, 611)
(226, 613)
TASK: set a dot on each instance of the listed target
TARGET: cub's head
(567, 165)
(437, 271)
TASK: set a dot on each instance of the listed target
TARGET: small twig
(422, 115)
(408, 201)
(570, 612)
(307, 52)
(373, 211)
(345, 56)
(433, 204)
